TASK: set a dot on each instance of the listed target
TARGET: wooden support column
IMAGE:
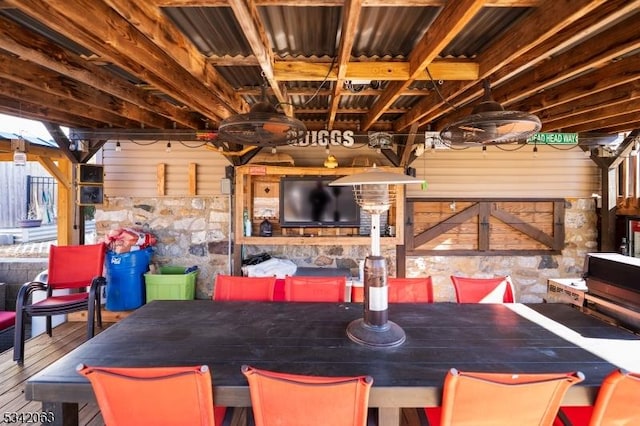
(608, 210)
(68, 211)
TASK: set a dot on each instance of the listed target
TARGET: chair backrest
(410, 290)
(235, 288)
(75, 266)
(483, 290)
(314, 289)
(617, 401)
(152, 396)
(509, 399)
(292, 400)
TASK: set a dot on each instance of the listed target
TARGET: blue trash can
(125, 279)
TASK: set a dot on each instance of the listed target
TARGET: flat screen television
(309, 201)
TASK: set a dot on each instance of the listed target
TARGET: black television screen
(311, 202)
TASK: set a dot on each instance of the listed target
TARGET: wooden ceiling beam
(450, 21)
(621, 123)
(51, 101)
(117, 41)
(246, 14)
(622, 72)
(447, 69)
(31, 75)
(574, 63)
(154, 24)
(537, 27)
(603, 113)
(33, 48)
(350, 17)
(566, 114)
(330, 3)
(36, 111)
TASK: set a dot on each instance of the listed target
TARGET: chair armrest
(96, 283)
(28, 288)
(3, 297)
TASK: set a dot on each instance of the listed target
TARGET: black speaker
(411, 171)
(90, 180)
(92, 174)
(229, 172)
(90, 195)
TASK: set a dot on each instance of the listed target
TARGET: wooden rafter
(450, 21)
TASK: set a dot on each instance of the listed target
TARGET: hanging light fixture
(375, 192)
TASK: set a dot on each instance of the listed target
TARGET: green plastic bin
(170, 284)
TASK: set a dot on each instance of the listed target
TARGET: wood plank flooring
(40, 352)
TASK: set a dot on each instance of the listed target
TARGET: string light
(484, 151)
(118, 147)
(168, 147)
(535, 150)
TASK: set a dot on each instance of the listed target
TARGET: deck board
(41, 351)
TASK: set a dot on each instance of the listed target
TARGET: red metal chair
(483, 290)
(284, 399)
(235, 288)
(154, 395)
(410, 290)
(616, 404)
(509, 398)
(315, 289)
(78, 269)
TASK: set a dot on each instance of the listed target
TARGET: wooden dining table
(310, 338)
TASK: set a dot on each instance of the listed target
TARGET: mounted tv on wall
(309, 201)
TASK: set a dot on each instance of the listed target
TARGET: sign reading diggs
(326, 137)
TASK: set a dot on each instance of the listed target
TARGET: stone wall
(190, 231)
(194, 231)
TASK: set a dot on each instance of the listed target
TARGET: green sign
(554, 138)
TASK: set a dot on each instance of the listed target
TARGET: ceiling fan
(262, 126)
(490, 124)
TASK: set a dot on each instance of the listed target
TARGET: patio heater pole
(373, 194)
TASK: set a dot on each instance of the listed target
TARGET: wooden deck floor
(41, 351)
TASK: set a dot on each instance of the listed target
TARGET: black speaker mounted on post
(90, 178)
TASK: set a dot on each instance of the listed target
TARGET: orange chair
(484, 290)
(154, 395)
(315, 289)
(616, 404)
(509, 398)
(75, 268)
(410, 290)
(257, 289)
(292, 400)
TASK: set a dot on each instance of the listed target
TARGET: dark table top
(309, 338)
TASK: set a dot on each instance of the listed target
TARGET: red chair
(78, 269)
(154, 395)
(235, 288)
(284, 399)
(483, 290)
(410, 290)
(616, 404)
(470, 398)
(315, 289)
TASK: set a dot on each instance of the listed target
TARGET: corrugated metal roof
(391, 31)
(213, 30)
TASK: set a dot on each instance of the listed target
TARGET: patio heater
(375, 192)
